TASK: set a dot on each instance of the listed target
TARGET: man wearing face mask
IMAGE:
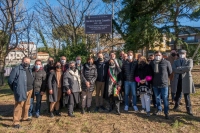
(161, 71)
(128, 72)
(102, 69)
(21, 83)
(72, 87)
(48, 68)
(121, 56)
(171, 59)
(64, 64)
(183, 82)
(64, 67)
(39, 83)
(78, 64)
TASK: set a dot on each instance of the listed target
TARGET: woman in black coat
(89, 76)
(55, 88)
(143, 77)
(113, 86)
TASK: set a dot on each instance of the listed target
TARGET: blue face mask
(37, 67)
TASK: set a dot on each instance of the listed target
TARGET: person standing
(113, 86)
(47, 69)
(55, 81)
(72, 87)
(118, 62)
(102, 68)
(128, 71)
(162, 70)
(183, 82)
(39, 83)
(21, 83)
(79, 66)
(171, 59)
(89, 76)
(143, 76)
(64, 67)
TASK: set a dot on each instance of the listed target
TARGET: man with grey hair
(183, 82)
(21, 83)
(72, 87)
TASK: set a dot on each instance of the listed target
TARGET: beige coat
(185, 69)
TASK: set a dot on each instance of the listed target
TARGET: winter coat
(109, 86)
(47, 69)
(160, 79)
(128, 70)
(143, 71)
(184, 69)
(89, 74)
(18, 82)
(102, 69)
(70, 82)
(52, 85)
(39, 84)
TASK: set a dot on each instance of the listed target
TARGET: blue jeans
(130, 86)
(164, 93)
(38, 104)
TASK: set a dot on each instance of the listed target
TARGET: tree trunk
(2, 71)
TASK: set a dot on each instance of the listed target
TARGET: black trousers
(114, 102)
(178, 96)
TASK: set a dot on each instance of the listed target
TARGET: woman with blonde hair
(143, 76)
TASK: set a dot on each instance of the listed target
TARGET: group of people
(115, 80)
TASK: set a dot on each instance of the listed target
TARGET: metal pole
(98, 43)
(113, 19)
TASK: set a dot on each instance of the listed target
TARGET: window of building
(190, 38)
(17, 55)
(11, 55)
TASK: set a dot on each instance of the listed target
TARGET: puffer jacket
(89, 74)
(128, 71)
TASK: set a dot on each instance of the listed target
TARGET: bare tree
(12, 16)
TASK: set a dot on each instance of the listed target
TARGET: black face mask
(90, 63)
(26, 64)
(173, 54)
(100, 59)
(112, 64)
(58, 67)
(51, 63)
(72, 68)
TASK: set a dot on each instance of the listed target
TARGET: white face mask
(63, 61)
(130, 57)
(182, 56)
(158, 58)
(78, 61)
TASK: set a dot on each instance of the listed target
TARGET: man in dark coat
(64, 67)
(88, 78)
(183, 82)
(128, 72)
(47, 69)
(102, 69)
(39, 84)
(113, 86)
(162, 70)
(72, 87)
(21, 83)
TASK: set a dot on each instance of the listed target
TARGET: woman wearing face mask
(89, 76)
(113, 86)
(72, 87)
(55, 88)
(143, 76)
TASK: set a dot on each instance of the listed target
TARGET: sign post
(98, 24)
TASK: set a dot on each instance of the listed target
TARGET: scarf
(113, 78)
(76, 77)
(156, 69)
